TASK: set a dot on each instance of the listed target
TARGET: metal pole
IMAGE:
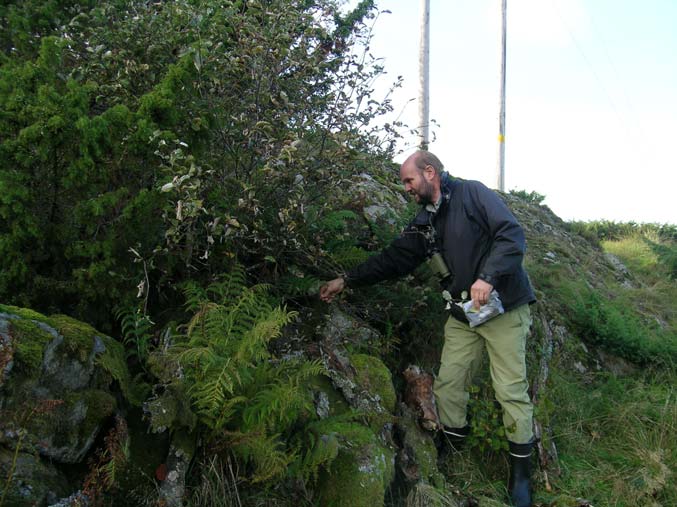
(424, 80)
(501, 119)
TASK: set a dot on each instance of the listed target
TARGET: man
(482, 245)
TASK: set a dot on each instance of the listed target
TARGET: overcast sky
(591, 98)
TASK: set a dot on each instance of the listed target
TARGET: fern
(136, 333)
(320, 451)
(281, 403)
(349, 256)
(238, 391)
(335, 221)
(295, 285)
(267, 454)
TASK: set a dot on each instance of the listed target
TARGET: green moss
(361, 472)
(421, 446)
(29, 469)
(78, 336)
(30, 341)
(375, 377)
(113, 361)
(65, 423)
(100, 405)
(171, 410)
(79, 339)
(147, 451)
(24, 313)
(337, 403)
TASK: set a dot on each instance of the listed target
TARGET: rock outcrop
(55, 397)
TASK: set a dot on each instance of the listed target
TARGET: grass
(218, 486)
(617, 438)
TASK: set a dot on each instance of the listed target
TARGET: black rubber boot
(519, 486)
(452, 439)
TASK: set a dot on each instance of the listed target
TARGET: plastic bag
(491, 309)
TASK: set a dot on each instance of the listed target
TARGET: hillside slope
(601, 357)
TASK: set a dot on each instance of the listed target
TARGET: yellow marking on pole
(501, 138)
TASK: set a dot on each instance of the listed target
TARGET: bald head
(420, 175)
(422, 159)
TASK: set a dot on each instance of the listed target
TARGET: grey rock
(578, 366)
(181, 452)
(321, 404)
(34, 482)
(77, 499)
(340, 327)
(61, 371)
(66, 390)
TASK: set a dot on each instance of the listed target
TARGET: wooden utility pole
(424, 77)
(501, 119)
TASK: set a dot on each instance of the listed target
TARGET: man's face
(418, 183)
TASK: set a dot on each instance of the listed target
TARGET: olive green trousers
(505, 339)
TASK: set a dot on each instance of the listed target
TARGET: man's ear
(429, 172)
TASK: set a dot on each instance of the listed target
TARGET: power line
(579, 47)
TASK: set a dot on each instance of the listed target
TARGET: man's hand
(479, 293)
(332, 288)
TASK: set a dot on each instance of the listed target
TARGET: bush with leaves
(253, 117)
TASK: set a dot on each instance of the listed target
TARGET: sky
(591, 113)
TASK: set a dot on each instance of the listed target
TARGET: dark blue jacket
(476, 234)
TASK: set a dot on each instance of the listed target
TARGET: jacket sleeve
(398, 259)
(507, 242)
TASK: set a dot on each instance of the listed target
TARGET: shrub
(620, 330)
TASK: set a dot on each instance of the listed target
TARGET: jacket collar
(447, 187)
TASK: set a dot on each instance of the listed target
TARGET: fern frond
(213, 392)
(253, 346)
(267, 454)
(348, 256)
(320, 450)
(230, 285)
(335, 221)
(195, 296)
(197, 322)
(309, 369)
(194, 356)
(280, 405)
(291, 285)
(227, 411)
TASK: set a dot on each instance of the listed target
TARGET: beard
(425, 193)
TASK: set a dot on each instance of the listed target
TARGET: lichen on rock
(417, 457)
(33, 481)
(373, 375)
(56, 394)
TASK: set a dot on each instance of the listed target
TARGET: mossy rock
(59, 386)
(33, 481)
(566, 501)
(328, 401)
(361, 472)
(29, 340)
(418, 455)
(172, 409)
(373, 376)
(68, 433)
(64, 352)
